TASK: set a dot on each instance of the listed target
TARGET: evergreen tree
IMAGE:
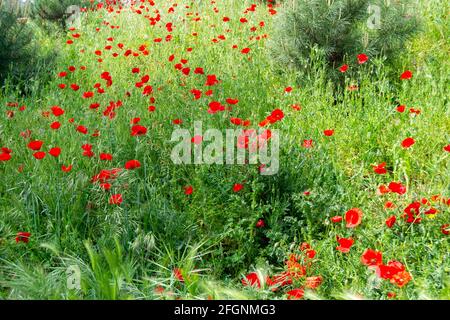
(56, 11)
(339, 29)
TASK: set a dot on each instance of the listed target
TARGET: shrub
(339, 29)
(56, 11)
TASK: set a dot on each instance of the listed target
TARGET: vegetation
(89, 192)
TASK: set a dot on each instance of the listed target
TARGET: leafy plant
(340, 29)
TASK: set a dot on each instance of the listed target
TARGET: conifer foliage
(56, 11)
(342, 28)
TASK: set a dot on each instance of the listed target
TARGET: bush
(15, 42)
(56, 11)
(340, 29)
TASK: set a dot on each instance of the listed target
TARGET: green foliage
(339, 30)
(59, 12)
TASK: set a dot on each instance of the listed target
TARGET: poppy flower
(237, 187)
(260, 223)
(66, 168)
(406, 75)
(116, 199)
(343, 68)
(23, 237)
(132, 164)
(408, 142)
(344, 244)
(55, 152)
(308, 143)
(362, 58)
(35, 145)
(197, 139)
(401, 108)
(336, 219)
(353, 217)
(397, 187)
(138, 130)
(251, 280)
(295, 294)
(447, 148)
(188, 190)
(390, 221)
(401, 278)
(445, 229)
(380, 168)
(211, 80)
(372, 258)
(245, 50)
(39, 155)
(55, 125)
(106, 157)
(328, 132)
(5, 156)
(82, 129)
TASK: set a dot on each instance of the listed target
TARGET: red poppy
(401, 108)
(197, 139)
(353, 217)
(308, 143)
(397, 187)
(343, 68)
(372, 258)
(55, 152)
(245, 50)
(408, 142)
(5, 156)
(116, 199)
(328, 132)
(138, 130)
(260, 223)
(237, 187)
(344, 244)
(401, 278)
(35, 145)
(406, 75)
(39, 155)
(445, 229)
(132, 164)
(66, 168)
(82, 129)
(188, 190)
(390, 221)
(447, 148)
(336, 219)
(23, 237)
(380, 168)
(362, 58)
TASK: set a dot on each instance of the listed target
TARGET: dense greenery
(164, 241)
(341, 29)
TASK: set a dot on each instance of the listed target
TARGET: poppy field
(92, 205)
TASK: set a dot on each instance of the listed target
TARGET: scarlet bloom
(343, 68)
(390, 221)
(57, 111)
(328, 132)
(188, 190)
(447, 148)
(401, 278)
(55, 152)
(106, 157)
(380, 168)
(245, 50)
(397, 187)
(362, 58)
(132, 164)
(260, 223)
(336, 219)
(445, 229)
(82, 129)
(353, 217)
(138, 130)
(295, 294)
(211, 80)
(344, 244)
(406, 75)
(23, 237)
(251, 279)
(66, 168)
(39, 155)
(372, 258)
(307, 143)
(116, 199)
(5, 156)
(401, 108)
(35, 145)
(408, 142)
(237, 187)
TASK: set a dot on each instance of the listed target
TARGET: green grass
(126, 251)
